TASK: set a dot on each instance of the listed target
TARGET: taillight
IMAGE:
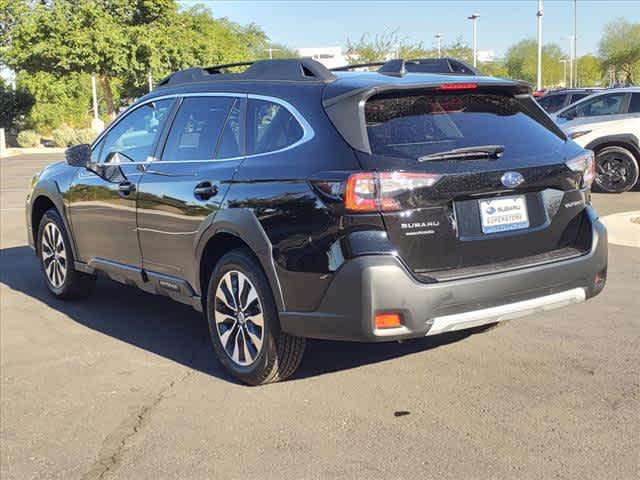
(372, 191)
(586, 165)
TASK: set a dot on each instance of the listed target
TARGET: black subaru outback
(287, 201)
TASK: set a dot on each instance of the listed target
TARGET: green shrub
(84, 135)
(63, 136)
(28, 138)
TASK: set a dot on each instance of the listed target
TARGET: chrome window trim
(307, 131)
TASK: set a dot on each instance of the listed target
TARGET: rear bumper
(368, 285)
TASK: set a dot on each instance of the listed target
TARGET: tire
(57, 260)
(616, 170)
(247, 340)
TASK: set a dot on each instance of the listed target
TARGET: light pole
(439, 40)
(564, 61)
(539, 15)
(570, 38)
(575, 41)
(474, 18)
(271, 50)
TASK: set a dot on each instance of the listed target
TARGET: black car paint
(154, 237)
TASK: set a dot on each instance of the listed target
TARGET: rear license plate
(503, 214)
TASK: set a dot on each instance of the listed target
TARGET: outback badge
(512, 179)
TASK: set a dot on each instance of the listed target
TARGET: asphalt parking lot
(125, 385)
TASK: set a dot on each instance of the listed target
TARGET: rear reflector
(388, 320)
(458, 86)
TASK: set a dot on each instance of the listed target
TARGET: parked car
(288, 202)
(559, 99)
(608, 124)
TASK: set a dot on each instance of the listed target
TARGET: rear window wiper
(478, 151)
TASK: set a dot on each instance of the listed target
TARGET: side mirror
(78, 155)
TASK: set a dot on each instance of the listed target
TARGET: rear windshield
(417, 125)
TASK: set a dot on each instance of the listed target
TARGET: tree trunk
(108, 95)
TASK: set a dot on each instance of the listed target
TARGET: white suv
(609, 124)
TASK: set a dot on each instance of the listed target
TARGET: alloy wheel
(54, 255)
(238, 316)
(613, 172)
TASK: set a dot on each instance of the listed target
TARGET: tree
(620, 48)
(521, 62)
(590, 71)
(123, 41)
(14, 105)
(494, 69)
(382, 47)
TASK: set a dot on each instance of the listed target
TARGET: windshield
(409, 125)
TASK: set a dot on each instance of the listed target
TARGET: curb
(12, 152)
(623, 228)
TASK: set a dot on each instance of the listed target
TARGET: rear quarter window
(417, 125)
(270, 127)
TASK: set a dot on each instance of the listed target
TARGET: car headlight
(574, 135)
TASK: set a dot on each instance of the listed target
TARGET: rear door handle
(204, 190)
(125, 188)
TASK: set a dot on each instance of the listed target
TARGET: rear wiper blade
(479, 151)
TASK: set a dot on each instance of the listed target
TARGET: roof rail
(290, 69)
(346, 68)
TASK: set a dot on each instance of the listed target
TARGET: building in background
(330, 57)
(486, 55)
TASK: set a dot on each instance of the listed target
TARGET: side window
(602, 105)
(552, 103)
(578, 96)
(270, 127)
(634, 105)
(133, 137)
(230, 144)
(196, 128)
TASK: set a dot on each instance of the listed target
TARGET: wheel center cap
(241, 318)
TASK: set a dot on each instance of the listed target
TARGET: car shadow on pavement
(179, 333)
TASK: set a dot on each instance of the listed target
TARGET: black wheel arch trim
(242, 223)
(625, 140)
(50, 190)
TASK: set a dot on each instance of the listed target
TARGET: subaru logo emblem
(491, 210)
(512, 179)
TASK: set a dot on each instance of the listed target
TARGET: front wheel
(57, 261)
(243, 323)
(616, 170)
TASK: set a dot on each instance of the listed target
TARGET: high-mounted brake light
(458, 86)
(372, 191)
(586, 165)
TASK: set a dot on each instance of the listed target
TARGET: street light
(564, 62)
(539, 15)
(271, 50)
(474, 19)
(439, 40)
(571, 59)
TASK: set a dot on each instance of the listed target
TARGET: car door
(102, 198)
(178, 193)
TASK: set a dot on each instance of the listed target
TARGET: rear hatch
(473, 180)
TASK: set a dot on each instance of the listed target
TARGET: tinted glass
(429, 66)
(270, 127)
(230, 144)
(196, 128)
(416, 125)
(610, 104)
(134, 136)
(552, 103)
(578, 96)
(634, 106)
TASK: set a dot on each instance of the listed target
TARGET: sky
(325, 23)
